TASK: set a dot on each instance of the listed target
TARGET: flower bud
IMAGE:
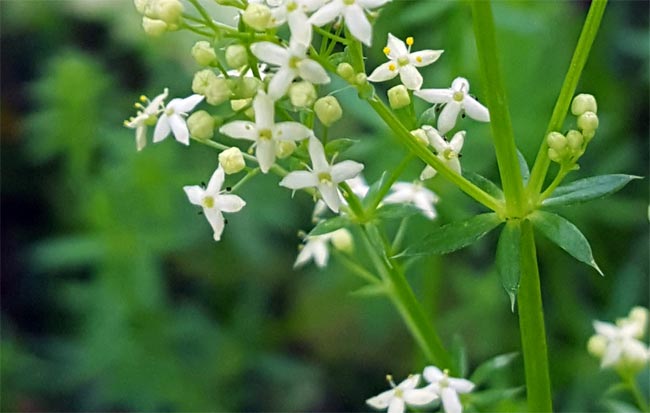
(284, 149)
(217, 91)
(169, 11)
(554, 155)
(575, 140)
(597, 345)
(634, 358)
(236, 56)
(153, 27)
(232, 160)
(258, 16)
(201, 124)
(360, 79)
(239, 104)
(302, 94)
(202, 80)
(328, 110)
(346, 71)
(398, 97)
(342, 240)
(421, 135)
(140, 5)
(588, 121)
(203, 53)
(244, 87)
(639, 315)
(583, 103)
(557, 141)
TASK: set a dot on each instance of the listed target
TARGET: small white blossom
(354, 13)
(447, 152)
(146, 116)
(214, 201)
(294, 12)
(405, 393)
(447, 388)
(323, 175)
(456, 99)
(413, 193)
(620, 345)
(264, 131)
(316, 247)
(173, 119)
(358, 186)
(401, 61)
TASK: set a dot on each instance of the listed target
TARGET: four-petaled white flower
(413, 193)
(264, 131)
(214, 201)
(146, 116)
(401, 395)
(456, 99)
(447, 388)
(357, 185)
(447, 152)
(173, 119)
(323, 175)
(403, 62)
(353, 11)
(316, 247)
(294, 12)
(621, 343)
(293, 62)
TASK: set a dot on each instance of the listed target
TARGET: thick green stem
(580, 55)
(531, 324)
(502, 133)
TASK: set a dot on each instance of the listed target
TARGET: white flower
(401, 395)
(146, 116)
(447, 152)
(413, 193)
(214, 201)
(316, 247)
(295, 12)
(357, 185)
(173, 119)
(353, 11)
(447, 388)
(264, 131)
(456, 99)
(323, 175)
(620, 344)
(293, 62)
(403, 62)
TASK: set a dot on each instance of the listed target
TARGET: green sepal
(485, 184)
(330, 225)
(491, 367)
(587, 189)
(508, 259)
(454, 236)
(339, 145)
(565, 235)
(396, 211)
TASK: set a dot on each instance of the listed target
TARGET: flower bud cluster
(567, 149)
(217, 89)
(159, 16)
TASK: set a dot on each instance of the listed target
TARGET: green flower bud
(575, 140)
(201, 124)
(398, 97)
(140, 5)
(236, 56)
(421, 135)
(328, 110)
(583, 103)
(346, 71)
(258, 16)
(153, 27)
(588, 134)
(169, 11)
(640, 315)
(597, 345)
(232, 160)
(202, 80)
(203, 53)
(217, 91)
(284, 149)
(360, 79)
(557, 141)
(244, 87)
(554, 155)
(239, 104)
(588, 121)
(342, 240)
(302, 94)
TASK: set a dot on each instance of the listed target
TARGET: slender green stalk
(355, 268)
(564, 171)
(580, 55)
(394, 176)
(636, 393)
(206, 16)
(502, 133)
(531, 324)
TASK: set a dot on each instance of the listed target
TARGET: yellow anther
(138, 105)
(386, 50)
(409, 41)
(391, 67)
(419, 59)
(143, 98)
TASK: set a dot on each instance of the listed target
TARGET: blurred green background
(115, 297)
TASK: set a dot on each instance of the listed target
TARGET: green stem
(636, 393)
(531, 324)
(355, 268)
(394, 176)
(502, 133)
(580, 55)
(330, 35)
(563, 172)
(249, 175)
(206, 16)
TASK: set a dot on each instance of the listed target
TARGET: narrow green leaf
(566, 235)
(454, 236)
(329, 225)
(584, 190)
(489, 368)
(459, 355)
(396, 211)
(523, 167)
(371, 290)
(617, 406)
(339, 145)
(374, 190)
(484, 183)
(508, 259)
(488, 398)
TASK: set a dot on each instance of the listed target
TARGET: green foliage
(508, 259)
(588, 189)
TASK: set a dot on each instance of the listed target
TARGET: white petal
(425, 205)
(450, 401)
(419, 397)
(475, 110)
(435, 95)
(427, 173)
(240, 129)
(330, 194)
(299, 180)
(303, 257)
(410, 382)
(270, 53)
(179, 128)
(457, 141)
(327, 13)
(300, 27)
(453, 163)
(229, 203)
(424, 57)
(410, 77)
(320, 253)
(215, 218)
(317, 156)
(185, 105)
(265, 154)
(345, 170)
(140, 137)
(398, 197)
(372, 4)
(313, 72)
(396, 405)
(383, 72)
(195, 194)
(460, 84)
(612, 355)
(264, 109)
(437, 141)
(397, 47)
(291, 131)
(215, 182)
(382, 400)
(280, 82)
(162, 129)
(448, 117)
(358, 24)
(608, 330)
(432, 374)
(279, 16)
(461, 385)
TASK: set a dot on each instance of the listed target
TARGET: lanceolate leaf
(329, 225)
(508, 259)
(565, 235)
(339, 145)
(491, 368)
(396, 211)
(375, 189)
(584, 190)
(523, 167)
(484, 183)
(454, 236)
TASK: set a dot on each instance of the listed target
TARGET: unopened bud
(236, 56)
(217, 91)
(284, 149)
(557, 141)
(588, 121)
(342, 240)
(140, 5)
(346, 71)
(302, 94)
(554, 155)
(202, 80)
(258, 16)
(201, 124)
(328, 110)
(584, 103)
(153, 27)
(232, 160)
(360, 79)
(597, 345)
(421, 135)
(244, 87)
(239, 104)
(203, 53)
(575, 140)
(169, 11)
(398, 97)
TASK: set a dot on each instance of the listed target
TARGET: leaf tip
(513, 298)
(596, 267)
